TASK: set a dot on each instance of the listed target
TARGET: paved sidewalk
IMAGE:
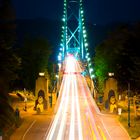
(109, 122)
(30, 118)
(113, 127)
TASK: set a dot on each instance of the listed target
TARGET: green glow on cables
(86, 44)
(85, 35)
(63, 19)
(82, 12)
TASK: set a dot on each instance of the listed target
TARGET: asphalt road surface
(77, 116)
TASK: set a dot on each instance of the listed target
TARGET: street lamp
(110, 74)
(41, 74)
(128, 104)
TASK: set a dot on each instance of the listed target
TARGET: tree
(9, 61)
(119, 54)
(35, 56)
(101, 67)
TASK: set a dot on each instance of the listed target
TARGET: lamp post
(128, 104)
(41, 74)
(110, 74)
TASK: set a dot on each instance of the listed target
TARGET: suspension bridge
(77, 116)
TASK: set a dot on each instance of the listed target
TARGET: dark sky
(96, 11)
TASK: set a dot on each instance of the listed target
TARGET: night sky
(96, 11)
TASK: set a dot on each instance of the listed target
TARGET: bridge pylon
(73, 38)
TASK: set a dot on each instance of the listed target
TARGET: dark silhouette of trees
(35, 55)
(9, 61)
(119, 54)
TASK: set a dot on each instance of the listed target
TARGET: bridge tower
(73, 37)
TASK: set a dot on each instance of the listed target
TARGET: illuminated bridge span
(77, 116)
(74, 119)
(74, 35)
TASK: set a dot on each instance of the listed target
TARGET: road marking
(28, 129)
(78, 111)
(124, 130)
(105, 128)
(72, 119)
(101, 132)
(91, 128)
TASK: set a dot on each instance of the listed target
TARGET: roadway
(76, 115)
(34, 126)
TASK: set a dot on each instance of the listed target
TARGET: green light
(85, 35)
(60, 54)
(82, 12)
(89, 64)
(88, 59)
(63, 19)
(91, 70)
(92, 76)
(85, 40)
(86, 44)
(84, 31)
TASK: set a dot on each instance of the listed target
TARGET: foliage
(133, 130)
(101, 68)
(5, 112)
(35, 58)
(119, 54)
(9, 62)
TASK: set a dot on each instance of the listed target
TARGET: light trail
(89, 101)
(72, 127)
(70, 68)
(88, 113)
(59, 112)
(68, 121)
(78, 112)
(63, 120)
